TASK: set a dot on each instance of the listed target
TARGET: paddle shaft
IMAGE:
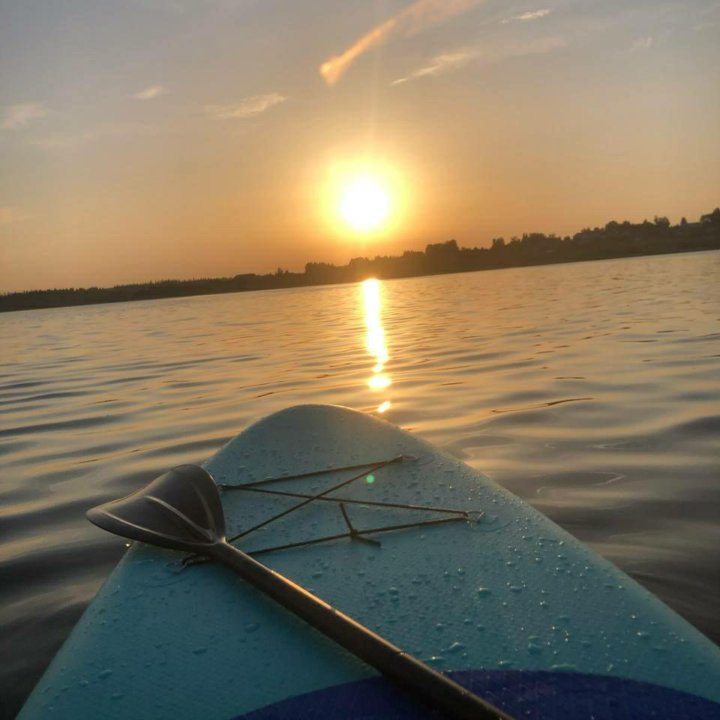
(433, 688)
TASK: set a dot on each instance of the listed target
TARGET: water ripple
(588, 389)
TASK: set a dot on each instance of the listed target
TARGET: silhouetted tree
(712, 218)
(614, 240)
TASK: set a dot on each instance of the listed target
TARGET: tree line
(614, 240)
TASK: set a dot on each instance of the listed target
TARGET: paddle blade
(180, 510)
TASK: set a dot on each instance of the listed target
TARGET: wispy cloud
(420, 15)
(10, 214)
(441, 64)
(150, 93)
(53, 141)
(526, 17)
(483, 56)
(641, 44)
(60, 140)
(17, 116)
(245, 108)
(709, 17)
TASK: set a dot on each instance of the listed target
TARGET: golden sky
(149, 139)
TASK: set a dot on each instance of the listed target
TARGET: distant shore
(615, 240)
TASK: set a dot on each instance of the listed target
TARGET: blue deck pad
(527, 695)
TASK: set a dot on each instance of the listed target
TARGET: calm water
(591, 390)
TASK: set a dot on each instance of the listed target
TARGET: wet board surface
(504, 601)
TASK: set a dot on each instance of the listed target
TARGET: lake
(591, 390)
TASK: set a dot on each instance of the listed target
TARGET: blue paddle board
(407, 540)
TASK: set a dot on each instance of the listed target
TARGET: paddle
(181, 510)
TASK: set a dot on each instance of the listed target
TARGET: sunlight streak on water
(375, 338)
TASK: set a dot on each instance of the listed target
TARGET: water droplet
(455, 647)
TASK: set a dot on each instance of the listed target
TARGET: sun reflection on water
(375, 339)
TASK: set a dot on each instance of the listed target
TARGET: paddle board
(417, 546)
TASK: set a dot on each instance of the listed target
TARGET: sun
(364, 203)
(362, 199)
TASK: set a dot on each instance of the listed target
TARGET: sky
(150, 139)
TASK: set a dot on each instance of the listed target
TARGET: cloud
(709, 17)
(53, 141)
(12, 214)
(150, 93)
(60, 140)
(441, 64)
(17, 116)
(416, 17)
(641, 44)
(450, 61)
(247, 107)
(525, 17)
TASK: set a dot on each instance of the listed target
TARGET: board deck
(506, 602)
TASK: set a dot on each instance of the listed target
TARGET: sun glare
(363, 199)
(364, 204)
